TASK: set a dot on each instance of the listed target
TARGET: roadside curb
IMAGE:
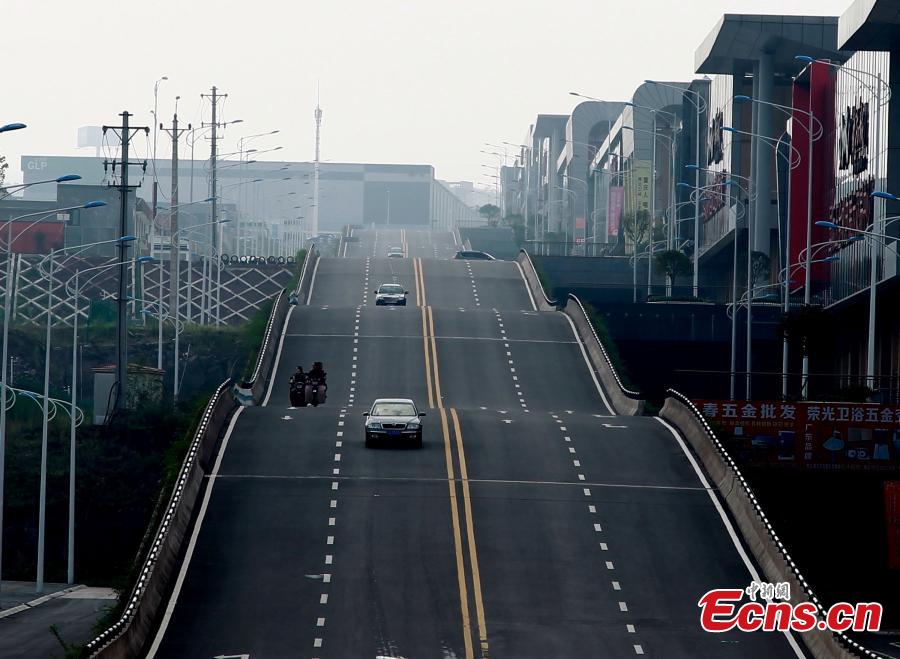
(39, 600)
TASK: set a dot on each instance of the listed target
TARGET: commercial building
(632, 168)
(788, 123)
(273, 191)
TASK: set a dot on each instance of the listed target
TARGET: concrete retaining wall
(759, 536)
(306, 275)
(543, 302)
(624, 401)
(131, 634)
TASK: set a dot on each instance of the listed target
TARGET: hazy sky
(414, 82)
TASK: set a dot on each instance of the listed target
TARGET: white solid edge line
(312, 284)
(525, 281)
(287, 319)
(170, 607)
(588, 363)
(727, 522)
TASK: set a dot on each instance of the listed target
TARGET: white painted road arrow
(232, 656)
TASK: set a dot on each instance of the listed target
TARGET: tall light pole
(314, 227)
(155, 122)
(7, 308)
(241, 152)
(176, 319)
(42, 506)
(696, 99)
(653, 194)
(73, 389)
(812, 137)
(526, 159)
(879, 207)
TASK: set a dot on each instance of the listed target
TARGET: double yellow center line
(451, 428)
(420, 281)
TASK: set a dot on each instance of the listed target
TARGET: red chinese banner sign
(812, 435)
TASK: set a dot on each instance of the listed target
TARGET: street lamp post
(72, 415)
(7, 303)
(776, 146)
(177, 303)
(653, 194)
(738, 214)
(874, 252)
(699, 104)
(42, 506)
(809, 166)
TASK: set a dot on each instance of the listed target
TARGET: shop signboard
(853, 138)
(715, 143)
(811, 435)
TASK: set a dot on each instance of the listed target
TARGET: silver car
(394, 419)
(390, 294)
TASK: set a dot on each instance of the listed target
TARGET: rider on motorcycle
(317, 372)
(299, 377)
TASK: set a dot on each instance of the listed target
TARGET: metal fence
(717, 384)
(586, 249)
(204, 295)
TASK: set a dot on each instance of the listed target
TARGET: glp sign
(36, 165)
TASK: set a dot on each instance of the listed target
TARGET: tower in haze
(314, 227)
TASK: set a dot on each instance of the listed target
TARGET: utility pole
(175, 247)
(124, 133)
(174, 251)
(215, 97)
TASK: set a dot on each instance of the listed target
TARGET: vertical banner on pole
(614, 211)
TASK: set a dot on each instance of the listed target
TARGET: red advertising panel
(809, 434)
(35, 237)
(616, 204)
(892, 522)
(815, 92)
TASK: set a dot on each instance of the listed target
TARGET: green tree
(3, 167)
(516, 222)
(636, 226)
(673, 264)
(760, 265)
(491, 213)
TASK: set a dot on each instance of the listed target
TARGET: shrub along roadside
(255, 329)
(125, 471)
(609, 343)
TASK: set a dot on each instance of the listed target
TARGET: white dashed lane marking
(598, 527)
(330, 538)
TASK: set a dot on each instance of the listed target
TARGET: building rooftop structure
(870, 25)
(738, 40)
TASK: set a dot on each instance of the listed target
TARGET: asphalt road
(414, 241)
(533, 523)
